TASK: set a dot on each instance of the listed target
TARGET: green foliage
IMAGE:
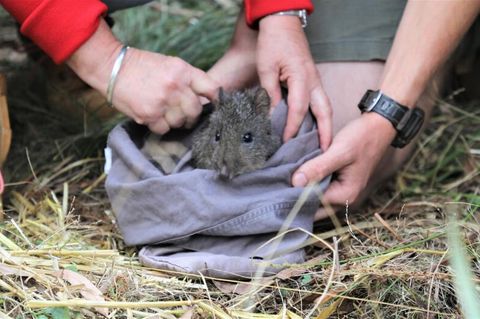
(72, 267)
(198, 32)
(57, 313)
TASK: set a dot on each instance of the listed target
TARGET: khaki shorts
(363, 30)
(353, 30)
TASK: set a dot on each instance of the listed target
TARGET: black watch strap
(407, 122)
(408, 127)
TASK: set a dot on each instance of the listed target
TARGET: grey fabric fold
(190, 220)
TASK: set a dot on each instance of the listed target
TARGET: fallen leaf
(329, 310)
(291, 272)
(242, 288)
(9, 270)
(188, 314)
(89, 290)
(306, 279)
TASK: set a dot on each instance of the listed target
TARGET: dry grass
(62, 256)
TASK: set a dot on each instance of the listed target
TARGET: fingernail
(299, 180)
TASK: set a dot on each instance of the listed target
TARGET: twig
(9, 244)
(30, 164)
(388, 227)
(431, 284)
(335, 265)
(107, 304)
(373, 239)
(213, 310)
(4, 316)
(93, 253)
(207, 291)
(350, 226)
(29, 243)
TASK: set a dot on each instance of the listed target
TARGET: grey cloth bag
(189, 220)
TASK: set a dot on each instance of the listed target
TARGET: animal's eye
(247, 137)
(217, 136)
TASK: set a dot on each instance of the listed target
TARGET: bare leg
(345, 83)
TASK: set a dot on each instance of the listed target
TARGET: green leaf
(58, 313)
(306, 279)
(72, 267)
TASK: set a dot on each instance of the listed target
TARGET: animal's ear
(221, 95)
(261, 101)
(220, 99)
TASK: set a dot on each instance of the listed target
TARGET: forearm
(428, 33)
(237, 67)
(93, 61)
(244, 38)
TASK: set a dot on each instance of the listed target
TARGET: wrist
(94, 60)
(401, 83)
(406, 121)
(404, 93)
(255, 10)
(381, 127)
(283, 22)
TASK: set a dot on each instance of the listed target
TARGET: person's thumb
(317, 169)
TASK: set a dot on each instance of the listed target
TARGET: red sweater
(60, 27)
(256, 9)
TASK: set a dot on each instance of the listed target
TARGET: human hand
(283, 55)
(237, 69)
(354, 154)
(159, 91)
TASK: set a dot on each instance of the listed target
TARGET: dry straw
(60, 249)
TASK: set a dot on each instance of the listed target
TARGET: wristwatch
(407, 122)
(302, 14)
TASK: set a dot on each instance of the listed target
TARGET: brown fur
(238, 137)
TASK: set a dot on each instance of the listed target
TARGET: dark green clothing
(353, 30)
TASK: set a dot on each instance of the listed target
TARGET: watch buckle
(374, 102)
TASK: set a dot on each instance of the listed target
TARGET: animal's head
(240, 132)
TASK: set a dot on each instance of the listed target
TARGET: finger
(203, 85)
(322, 110)
(269, 79)
(298, 98)
(160, 126)
(340, 193)
(335, 194)
(203, 100)
(191, 107)
(326, 210)
(318, 168)
(175, 117)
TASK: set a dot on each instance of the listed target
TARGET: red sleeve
(59, 27)
(256, 9)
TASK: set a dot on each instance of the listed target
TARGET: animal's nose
(224, 171)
